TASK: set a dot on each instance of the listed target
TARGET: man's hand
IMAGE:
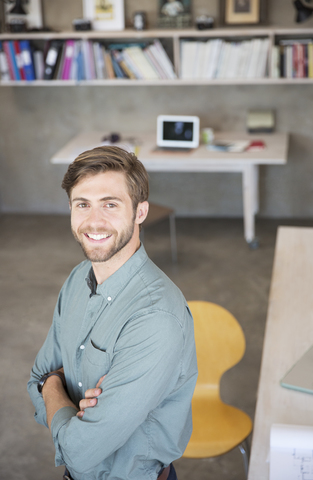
(90, 399)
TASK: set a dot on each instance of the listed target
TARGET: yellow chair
(220, 344)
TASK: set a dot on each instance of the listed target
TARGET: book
(10, 55)
(99, 60)
(39, 64)
(109, 65)
(4, 66)
(132, 65)
(188, 53)
(262, 66)
(69, 49)
(52, 56)
(164, 59)
(27, 60)
(18, 59)
(275, 61)
(119, 72)
(87, 59)
(141, 62)
(255, 57)
(73, 73)
(149, 54)
(214, 58)
(206, 58)
(232, 147)
(310, 60)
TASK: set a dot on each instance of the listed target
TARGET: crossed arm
(55, 397)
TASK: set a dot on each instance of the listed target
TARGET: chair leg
(173, 237)
(245, 451)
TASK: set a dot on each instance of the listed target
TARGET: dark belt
(162, 476)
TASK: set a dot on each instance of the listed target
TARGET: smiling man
(115, 376)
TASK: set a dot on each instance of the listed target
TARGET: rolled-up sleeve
(146, 368)
(49, 358)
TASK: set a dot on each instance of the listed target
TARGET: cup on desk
(207, 135)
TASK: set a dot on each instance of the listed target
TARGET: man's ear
(142, 212)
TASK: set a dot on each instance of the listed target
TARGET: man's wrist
(45, 377)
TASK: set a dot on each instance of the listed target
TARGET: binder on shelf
(9, 59)
(39, 64)
(80, 62)
(10, 54)
(27, 60)
(52, 57)
(4, 66)
(18, 59)
(68, 58)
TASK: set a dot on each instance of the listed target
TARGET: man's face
(102, 216)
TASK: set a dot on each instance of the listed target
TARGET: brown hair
(102, 159)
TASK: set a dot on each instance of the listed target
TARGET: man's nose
(96, 216)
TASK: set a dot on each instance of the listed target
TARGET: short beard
(96, 256)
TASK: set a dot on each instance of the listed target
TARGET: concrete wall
(36, 122)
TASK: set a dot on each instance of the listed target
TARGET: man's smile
(98, 236)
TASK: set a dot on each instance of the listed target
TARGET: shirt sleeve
(145, 369)
(48, 359)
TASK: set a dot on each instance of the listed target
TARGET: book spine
(4, 66)
(68, 58)
(27, 59)
(310, 60)
(11, 55)
(39, 64)
(18, 59)
(52, 57)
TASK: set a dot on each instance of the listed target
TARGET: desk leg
(250, 201)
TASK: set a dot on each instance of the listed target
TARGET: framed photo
(105, 14)
(243, 12)
(174, 13)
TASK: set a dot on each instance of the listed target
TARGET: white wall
(35, 122)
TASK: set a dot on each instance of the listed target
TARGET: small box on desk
(260, 121)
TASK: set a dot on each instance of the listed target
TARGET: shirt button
(80, 384)
(82, 347)
(109, 299)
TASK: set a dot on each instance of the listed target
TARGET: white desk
(289, 333)
(200, 160)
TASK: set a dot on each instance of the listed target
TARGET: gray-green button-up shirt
(137, 329)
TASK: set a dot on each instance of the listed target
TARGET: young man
(115, 376)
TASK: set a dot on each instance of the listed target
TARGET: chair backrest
(220, 341)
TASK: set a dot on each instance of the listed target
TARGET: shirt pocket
(97, 363)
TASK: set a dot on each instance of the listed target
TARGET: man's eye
(82, 205)
(110, 205)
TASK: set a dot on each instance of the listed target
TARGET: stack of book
(293, 59)
(218, 58)
(84, 60)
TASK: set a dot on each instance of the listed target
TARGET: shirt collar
(117, 282)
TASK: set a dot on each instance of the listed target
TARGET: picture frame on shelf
(243, 12)
(105, 14)
(174, 13)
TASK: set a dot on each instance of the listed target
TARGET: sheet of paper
(291, 452)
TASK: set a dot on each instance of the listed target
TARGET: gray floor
(214, 264)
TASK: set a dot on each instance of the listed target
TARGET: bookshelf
(172, 41)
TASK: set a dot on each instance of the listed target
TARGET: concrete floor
(214, 263)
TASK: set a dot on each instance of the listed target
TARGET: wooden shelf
(174, 36)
